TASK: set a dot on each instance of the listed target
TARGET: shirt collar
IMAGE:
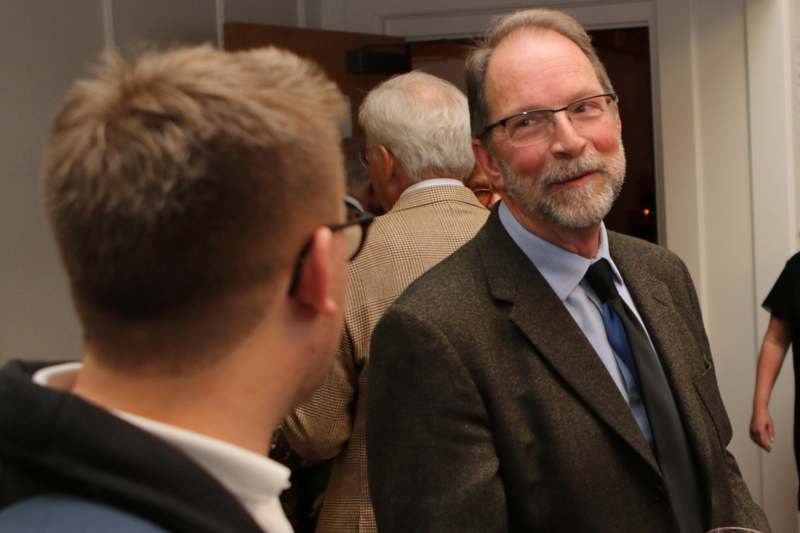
(251, 477)
(563, 270)
(425, 184)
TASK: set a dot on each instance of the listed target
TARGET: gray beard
(578, 208)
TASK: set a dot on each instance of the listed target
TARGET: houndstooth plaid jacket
(422, 228)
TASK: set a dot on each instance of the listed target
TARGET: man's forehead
(541, 64)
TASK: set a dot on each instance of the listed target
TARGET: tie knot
(601, 280)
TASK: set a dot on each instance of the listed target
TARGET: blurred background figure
(783, 304)
(479, 184)
(417, 153)
(359, 186)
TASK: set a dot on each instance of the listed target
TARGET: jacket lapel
(541, 316)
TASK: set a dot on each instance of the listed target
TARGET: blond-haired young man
(209, 284)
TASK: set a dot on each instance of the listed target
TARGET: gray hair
(424, 121)
(502, 27)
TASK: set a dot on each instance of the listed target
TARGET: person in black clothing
(783, 303)
(209, 283)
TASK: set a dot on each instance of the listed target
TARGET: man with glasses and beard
(551, 375)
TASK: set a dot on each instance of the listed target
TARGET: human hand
(762, 430)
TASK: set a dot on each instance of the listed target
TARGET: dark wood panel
(328, 48)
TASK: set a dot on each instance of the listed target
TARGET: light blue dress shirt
(564, 272)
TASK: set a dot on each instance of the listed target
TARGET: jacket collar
(436, 193)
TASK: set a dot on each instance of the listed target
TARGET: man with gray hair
(417, 153)
(550, 375)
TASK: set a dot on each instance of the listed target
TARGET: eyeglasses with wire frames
(362, 157)
(536, 126)
(354, 229)
(354, 208)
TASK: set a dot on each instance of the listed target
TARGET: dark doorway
(626, 55)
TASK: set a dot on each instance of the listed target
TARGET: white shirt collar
(435, 182)
(255, 480)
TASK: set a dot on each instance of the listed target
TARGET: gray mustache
(566, 170)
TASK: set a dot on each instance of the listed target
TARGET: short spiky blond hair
(177, 177)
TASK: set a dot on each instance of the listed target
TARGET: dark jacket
(489, 410)
(53, 442)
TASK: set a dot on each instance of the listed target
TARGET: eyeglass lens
(362, 156)
(538, 126)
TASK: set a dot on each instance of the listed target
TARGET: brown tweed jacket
(422, 228)
(489, 411)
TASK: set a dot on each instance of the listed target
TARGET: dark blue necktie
(615, 331)
(629, 340)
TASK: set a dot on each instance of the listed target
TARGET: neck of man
(582, 241)
(238, 398)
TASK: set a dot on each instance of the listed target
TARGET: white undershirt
(256, 480)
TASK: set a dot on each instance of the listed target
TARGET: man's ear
(487, 162)
(389, 186)
(386, 164)
(313, 288)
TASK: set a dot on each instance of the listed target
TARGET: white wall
(773, 185)
(155, 22)
(158, 23)
(280, 13)
(794, 29)
(724, 188)
(43, 46)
